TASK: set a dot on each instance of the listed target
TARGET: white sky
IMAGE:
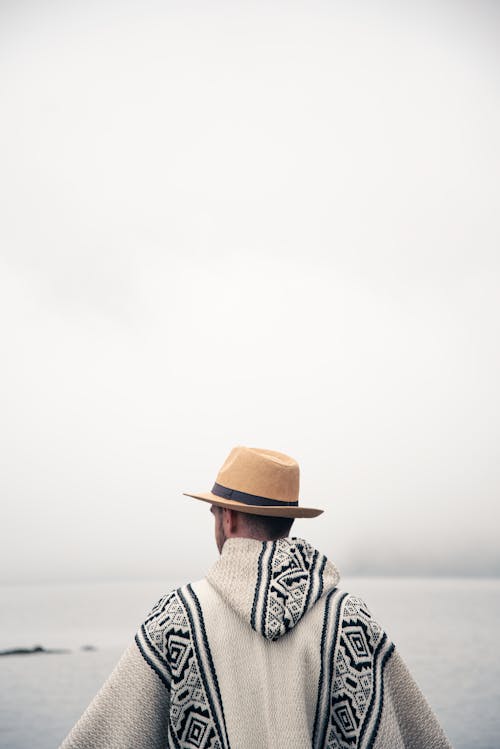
(269, 224)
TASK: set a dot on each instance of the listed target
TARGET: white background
(270, 224)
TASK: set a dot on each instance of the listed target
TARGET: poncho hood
(272, 584)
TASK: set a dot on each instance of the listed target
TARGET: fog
(260, 224)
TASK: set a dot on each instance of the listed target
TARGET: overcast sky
(270, 224)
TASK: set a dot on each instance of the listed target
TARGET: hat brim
(270, 510)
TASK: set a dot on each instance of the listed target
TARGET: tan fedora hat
(259, 482)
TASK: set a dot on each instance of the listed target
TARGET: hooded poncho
(265, 651)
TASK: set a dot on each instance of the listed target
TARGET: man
(265, 651)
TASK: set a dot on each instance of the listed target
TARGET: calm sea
(445, 629)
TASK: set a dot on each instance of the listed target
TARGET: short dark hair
(268, 526)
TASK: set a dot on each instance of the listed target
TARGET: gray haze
(269, 224)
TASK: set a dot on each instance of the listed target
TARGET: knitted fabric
(265, 651)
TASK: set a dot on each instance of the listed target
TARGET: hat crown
(264, 473)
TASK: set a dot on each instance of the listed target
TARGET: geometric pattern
(173, 641)
(289, 581)
(354, 651)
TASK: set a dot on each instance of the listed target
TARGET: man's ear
(230, 520)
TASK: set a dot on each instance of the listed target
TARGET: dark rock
(31, 651)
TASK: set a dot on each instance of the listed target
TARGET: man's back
(253, 630)
(266, 651)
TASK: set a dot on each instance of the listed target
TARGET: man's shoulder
(169, 624)
(352, 604)
(350, 616)
(345, 603)
(181, 597)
